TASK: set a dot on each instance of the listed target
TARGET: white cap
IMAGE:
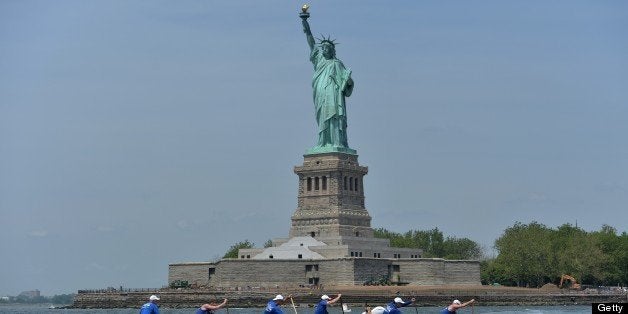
(398, 300)
(278, 297)
(457, 302)
(325, 297)
(153, 298)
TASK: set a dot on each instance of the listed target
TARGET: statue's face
(328, 51)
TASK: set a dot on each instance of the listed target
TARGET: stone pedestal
(331, 198)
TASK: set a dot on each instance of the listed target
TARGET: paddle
(293, 306)
(345, 308)
(342, 307)
(414, 301)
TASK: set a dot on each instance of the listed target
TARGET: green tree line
(531, 255)
(232, 252)
(56, 299)
(433, 243)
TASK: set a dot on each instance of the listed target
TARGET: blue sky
(134, 134)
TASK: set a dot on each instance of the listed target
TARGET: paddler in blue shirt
(454, 306)
(209, 308)
(273, 306)
(393, 307)
(321, 307)
(150, 307)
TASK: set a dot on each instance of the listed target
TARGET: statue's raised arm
(306, 26)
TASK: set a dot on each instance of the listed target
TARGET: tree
(610, 244)
(577, 254)
(62, 299)
(455, 248)
(620, 257)
(532, 254)
(233, 250)
(396, 239)
(524, 253)
(492, 272)
(432, 243)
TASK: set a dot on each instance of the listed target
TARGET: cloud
(105, 228)
(243, 216)
(530, 198)
(611, 187)
(94, 266)
(441, 129)
(121, 268)
(38, 233)
(183, 224)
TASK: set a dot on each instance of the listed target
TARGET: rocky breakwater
(169, 298)
(354, 296)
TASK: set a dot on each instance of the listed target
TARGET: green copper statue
(331, 83)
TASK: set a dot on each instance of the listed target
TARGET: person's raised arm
(334, 300)
(457, 306)
(214, 307)
(413, 299)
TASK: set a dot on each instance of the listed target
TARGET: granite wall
(339, 271)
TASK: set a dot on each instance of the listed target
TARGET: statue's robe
(330, 87)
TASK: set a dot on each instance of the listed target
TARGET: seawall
(355, 296)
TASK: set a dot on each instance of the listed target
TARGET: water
(43, 309)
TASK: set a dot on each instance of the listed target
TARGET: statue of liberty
(331, 83)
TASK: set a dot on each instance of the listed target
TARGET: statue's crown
(326, 41)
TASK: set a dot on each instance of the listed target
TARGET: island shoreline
(355, 297)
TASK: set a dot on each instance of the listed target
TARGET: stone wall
(462, 272)
(260, 273)
(370, 270)
(193, 273)
(339, 271)
(436, 271)
(336, 271)
(331, 251)
(428, 271)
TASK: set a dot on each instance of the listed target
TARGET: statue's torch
(304, 13)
